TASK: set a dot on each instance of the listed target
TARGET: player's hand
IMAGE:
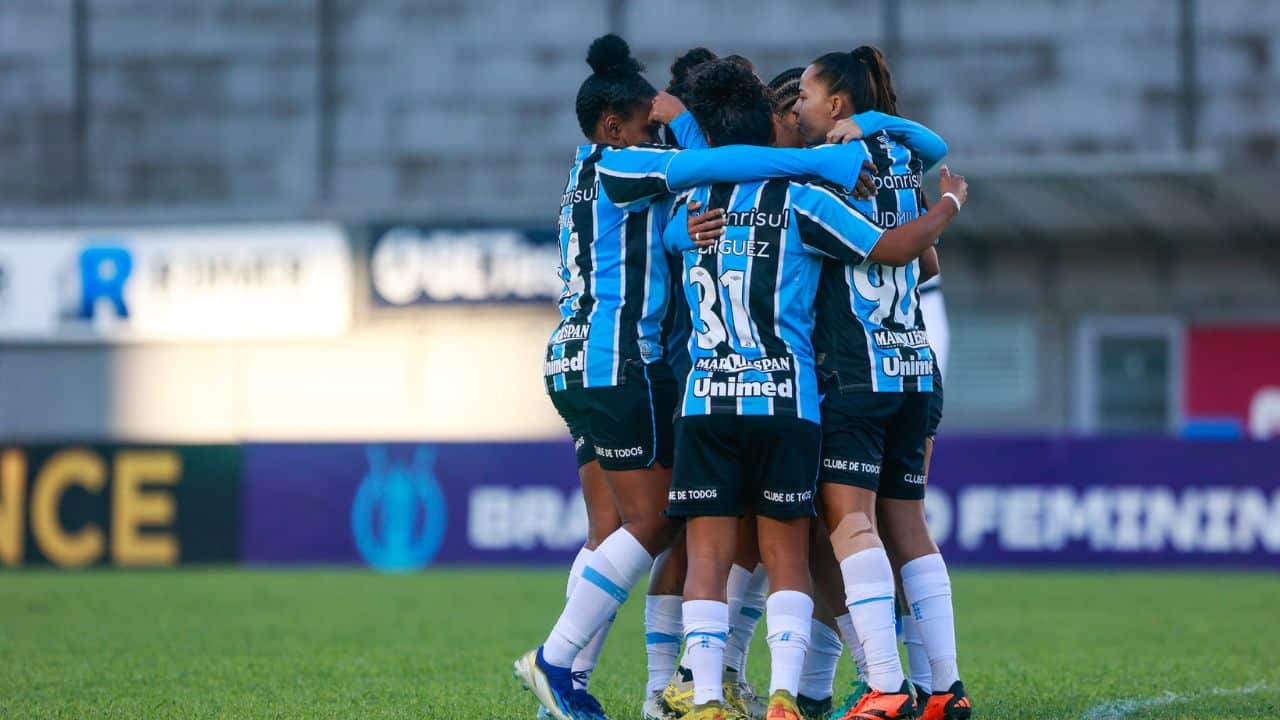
(866, 187)
(665, 108)
(948, 183)
(846, 130)
(705, 228)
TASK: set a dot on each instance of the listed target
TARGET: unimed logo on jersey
(733, 387)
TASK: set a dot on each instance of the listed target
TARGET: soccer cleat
(919, 694)
(953, 704)
(677, 698)
(739, 695)
(811, 709)
(551, 685)
(782, 706)
(587, 706)
(859, 689)
(655, 710)
(876, 705)
(713, 711)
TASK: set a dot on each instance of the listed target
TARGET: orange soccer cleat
(950, 705)
(876, 705)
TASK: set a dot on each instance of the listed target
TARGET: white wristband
(954, 199)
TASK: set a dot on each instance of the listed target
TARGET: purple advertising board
(992, 501)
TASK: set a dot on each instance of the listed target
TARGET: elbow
(893, 257)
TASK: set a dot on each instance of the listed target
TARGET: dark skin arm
(898, 246)
(929, 265)
(905, 243)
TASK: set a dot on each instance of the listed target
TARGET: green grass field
(346, 644)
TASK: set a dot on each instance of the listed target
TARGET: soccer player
(875, 357)
(601, 368)
(748, 582)
(818, 674)
(747, 434)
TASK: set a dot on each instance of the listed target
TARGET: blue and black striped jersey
(616, 279)
(616, 283)
(870, 334)
(751, 294)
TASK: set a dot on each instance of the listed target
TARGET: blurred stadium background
(274, 274)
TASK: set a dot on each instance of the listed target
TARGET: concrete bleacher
(438, 105)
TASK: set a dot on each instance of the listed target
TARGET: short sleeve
(829, 225)
(631, 177)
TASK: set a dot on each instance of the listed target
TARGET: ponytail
(862, 76)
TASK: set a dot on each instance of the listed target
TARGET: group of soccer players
(744, 370)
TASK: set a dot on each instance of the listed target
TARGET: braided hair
(785, 88)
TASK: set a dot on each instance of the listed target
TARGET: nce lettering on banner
(136, 486)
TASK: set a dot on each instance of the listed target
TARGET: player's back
(751, 294)
(615, 284)
(870, 333)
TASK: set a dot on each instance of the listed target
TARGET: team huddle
(743, 366)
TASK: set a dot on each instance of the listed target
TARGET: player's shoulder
(644, 158)
(814, 187)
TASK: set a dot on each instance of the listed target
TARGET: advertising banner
(122, 505)
(404, 506)
(418, 265)
(995, 501)
(216, 282)
(1233, 380)
(1137, 502)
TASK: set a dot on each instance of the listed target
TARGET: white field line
(1120, 709)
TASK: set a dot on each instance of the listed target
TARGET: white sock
(818, 678)
(662, 628)
(917, 657)
(851, 641)
(575, 572)
(706, 627)
(584, 663)
(789, 618)
(735, 589)
(616, 565)
(928, 588)
(868, 589)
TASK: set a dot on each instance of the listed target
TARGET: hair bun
(611, 56)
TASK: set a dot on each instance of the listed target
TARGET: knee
(599, 527)
(854, 533)
(655, 532)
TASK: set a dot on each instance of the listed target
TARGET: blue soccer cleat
(553, 686)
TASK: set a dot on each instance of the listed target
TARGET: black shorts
(875, 440)
(727, 464)
(627, 426)
(935, 404)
